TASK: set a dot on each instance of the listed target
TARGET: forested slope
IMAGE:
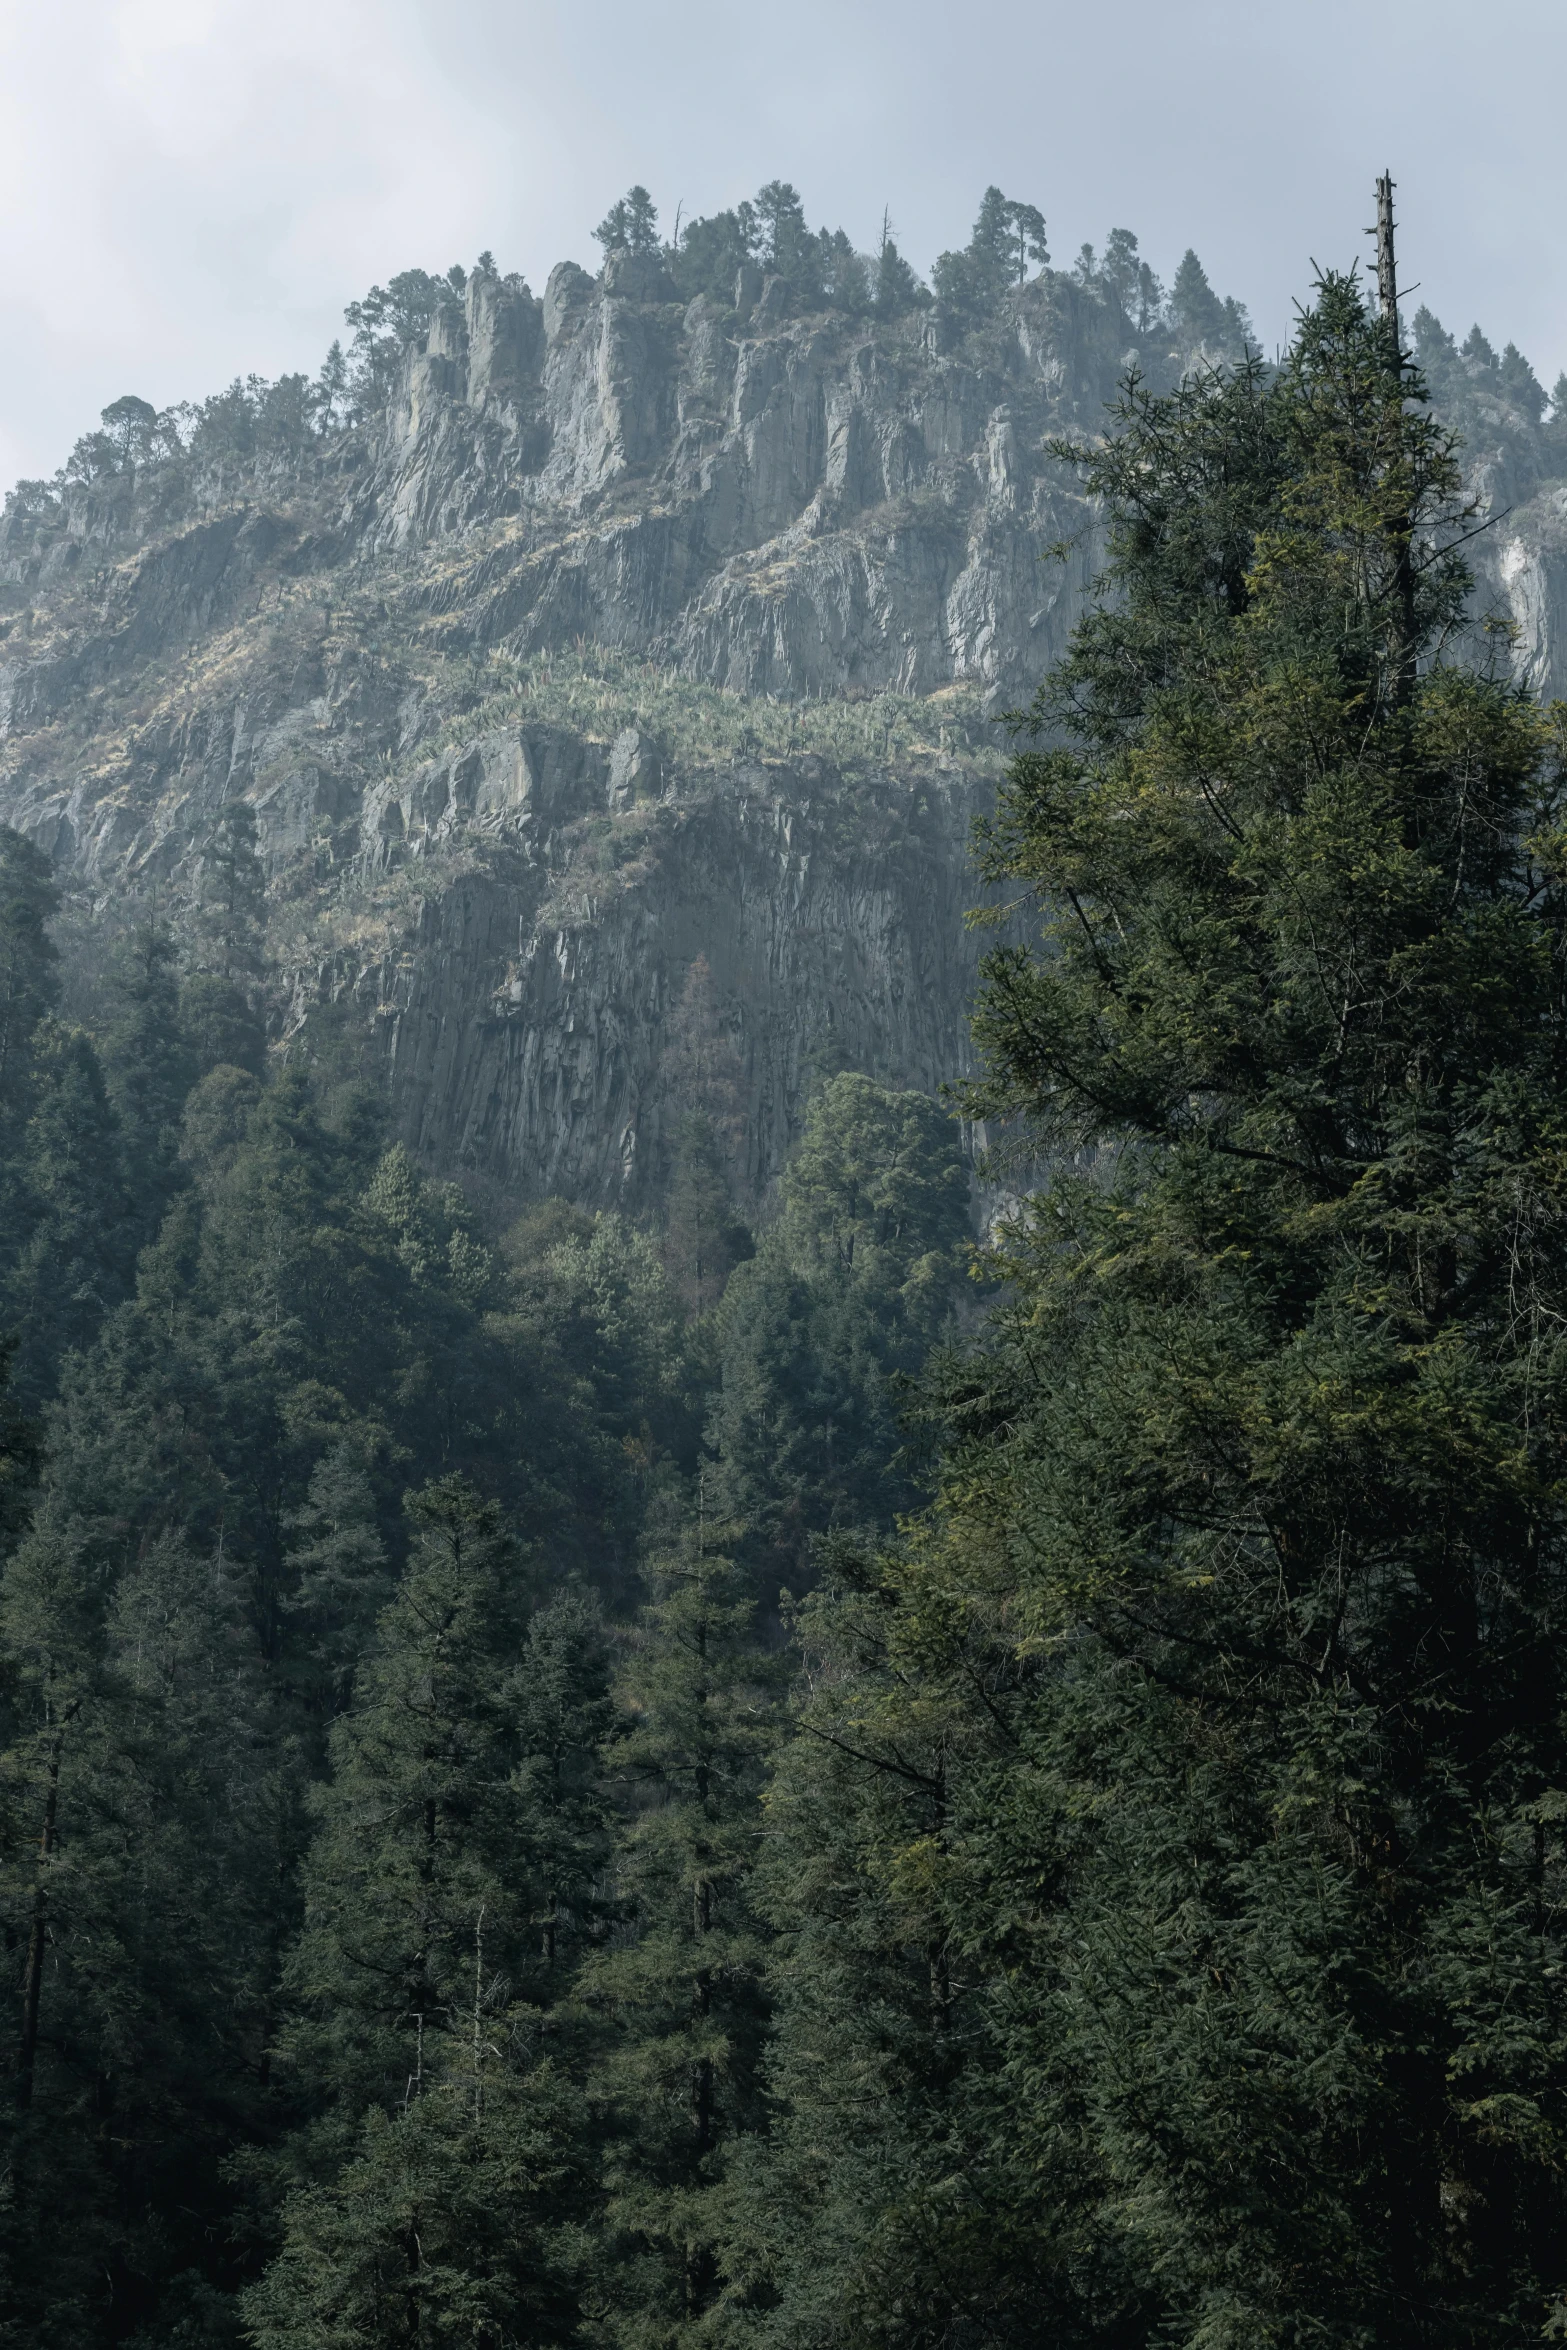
(712, 1768)
(276, 1408)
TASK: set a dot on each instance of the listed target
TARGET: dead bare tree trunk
(1403, 664)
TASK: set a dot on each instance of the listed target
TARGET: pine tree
(52, 1630)
(682, 1995)
(337, 1564)
(1437, 353)
(787, 245)
(877, 2206)
(1121, 269)
(1007, 236)
(630, 225)
(75, 1263)
(559, 1701)
(700, 1067)
(231, 893)
(29, 984)
(431, 2189)
(1027, 226)
(1521, 385)
(1194, 306)
(713, 252)
(847, 1290)
(329, 392)
(438, 2227)
(386, 321)
(220, 1028)
(842, 273)
(969, 281)
(149, 1070)
(403, 1860)
(1479, 353)
(877, 1188)
(129, 1891)
(898, 290)
(129, 424)
(1252, 1546)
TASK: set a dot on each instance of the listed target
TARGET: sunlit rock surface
(631, 630)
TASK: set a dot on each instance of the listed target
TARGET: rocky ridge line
(630, 630)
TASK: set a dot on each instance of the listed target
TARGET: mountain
(593, 633)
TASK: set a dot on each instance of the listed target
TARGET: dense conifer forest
(791, 1779)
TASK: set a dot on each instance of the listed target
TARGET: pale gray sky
(191, 189)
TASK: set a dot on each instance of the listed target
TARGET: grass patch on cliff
(596, 692)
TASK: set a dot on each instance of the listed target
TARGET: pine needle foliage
(680, 1991)
(432, 2190)
(1240, 1622)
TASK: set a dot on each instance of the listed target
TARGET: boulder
(634, 768)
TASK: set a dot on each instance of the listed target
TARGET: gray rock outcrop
(627, 630)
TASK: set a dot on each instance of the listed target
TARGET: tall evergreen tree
(879, 2205)
(29, 982)
(431, 2190)
(786, 243)
(847, 1291)
(1249, 1576)
(329, 392)
(338, 1572)
(1199, 314)
(1194, 305)
(149, 1072)
(897, 288)
(230, 896)
(559, 1702)
(133, 1899)
(682, 1994)
(403, 1860)
(29, 989)
(704, 1238)
(842, 273)
(713, 251)
(1007, 236)
(70, 1201)
(630, 225)
(220, 1028)
(1121, 269)
(1521, 385)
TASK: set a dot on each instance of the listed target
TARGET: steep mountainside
(619, 630)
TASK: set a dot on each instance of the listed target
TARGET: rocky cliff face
(629, 630)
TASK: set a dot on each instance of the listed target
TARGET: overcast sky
(191, 189)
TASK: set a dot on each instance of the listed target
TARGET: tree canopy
(1195, 1899)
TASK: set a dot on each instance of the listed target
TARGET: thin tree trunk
(37, 1940)
(1405, 658)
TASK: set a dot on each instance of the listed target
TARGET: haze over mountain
(193, 190)
(463, 628)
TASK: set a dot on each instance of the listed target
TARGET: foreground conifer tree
(430, 2191)
(128, 1719)
(1233, 1667)
(680, 1994)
